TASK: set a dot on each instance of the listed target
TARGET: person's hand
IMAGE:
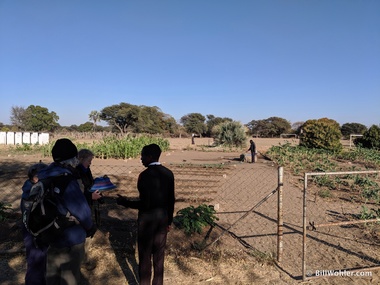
(96, 195)
(120, 200)
(168, 228)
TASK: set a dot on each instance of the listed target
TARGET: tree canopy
(370, 139)
(321, 134)
(194, 123)
(34, 119)
(271, 127)
(213, 121)
(139, 119)
(348, 129)
(230, 133)
(125, 117)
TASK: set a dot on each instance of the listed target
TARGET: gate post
(280, 216)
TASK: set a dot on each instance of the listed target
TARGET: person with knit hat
(66, 253)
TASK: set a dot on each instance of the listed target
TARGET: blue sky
(247, 60)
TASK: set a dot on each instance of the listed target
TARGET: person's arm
(123, 201)
(75, 202)
(171, 201)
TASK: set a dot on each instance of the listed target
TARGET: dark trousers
(152, 233)
(36, 257)
(253, 154)
(63, 265)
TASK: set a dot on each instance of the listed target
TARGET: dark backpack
(40, 214)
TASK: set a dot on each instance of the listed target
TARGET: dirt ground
(113, 248)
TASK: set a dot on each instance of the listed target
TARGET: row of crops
(110, 147)
(357, 188)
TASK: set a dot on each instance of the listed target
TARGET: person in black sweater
(156, 206)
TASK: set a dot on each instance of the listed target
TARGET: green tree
(370, 139)
(171, 126)
(151, 121)
(230, 134)
(348, 129)
(321, 134)
(138, 119)
(86, 127)
(213, 121)
(121, 116)
(194, 123)
(94, 117)
(271, 127)
(39, 119)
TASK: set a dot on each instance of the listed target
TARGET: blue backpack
(40, 214)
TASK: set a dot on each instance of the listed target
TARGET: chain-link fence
(313, 234)
(236, 190)
(341, 231)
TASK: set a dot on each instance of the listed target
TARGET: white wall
(12, 138)
(3, 137)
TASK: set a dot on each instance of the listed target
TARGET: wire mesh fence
(232, 188)
(247, 202)
(341, 229)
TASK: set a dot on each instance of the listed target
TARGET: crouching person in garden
(156, 206)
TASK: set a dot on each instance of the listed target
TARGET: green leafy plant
(324, 193)
(370, 139)
(321, 134)
(194, 219)
(4, 207)
(367, 214)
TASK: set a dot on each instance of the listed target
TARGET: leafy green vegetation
(194, 219)
(367, 214)
(230, 134)
(112, 147)
(299, 160)
(370, 139)
(348, 129)
(271, 127)
(128, 147)
(4, 211)
(321, 134)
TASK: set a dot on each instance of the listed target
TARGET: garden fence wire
(341, 232)
(247, 200)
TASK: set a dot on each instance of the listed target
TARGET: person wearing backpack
(65, 254)
(36, 252)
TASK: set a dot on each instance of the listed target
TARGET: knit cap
(64, 149)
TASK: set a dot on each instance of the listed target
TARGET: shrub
(4, 211)
(370, 139)
(230, 134)
(321, 134)
(193, 220)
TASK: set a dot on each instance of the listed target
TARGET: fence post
(280, 216)
(304, 229)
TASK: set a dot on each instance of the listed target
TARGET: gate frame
(280, 215)
(304, 239)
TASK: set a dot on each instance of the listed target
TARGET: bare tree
(18, 117)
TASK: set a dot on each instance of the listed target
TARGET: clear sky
(243, 59)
